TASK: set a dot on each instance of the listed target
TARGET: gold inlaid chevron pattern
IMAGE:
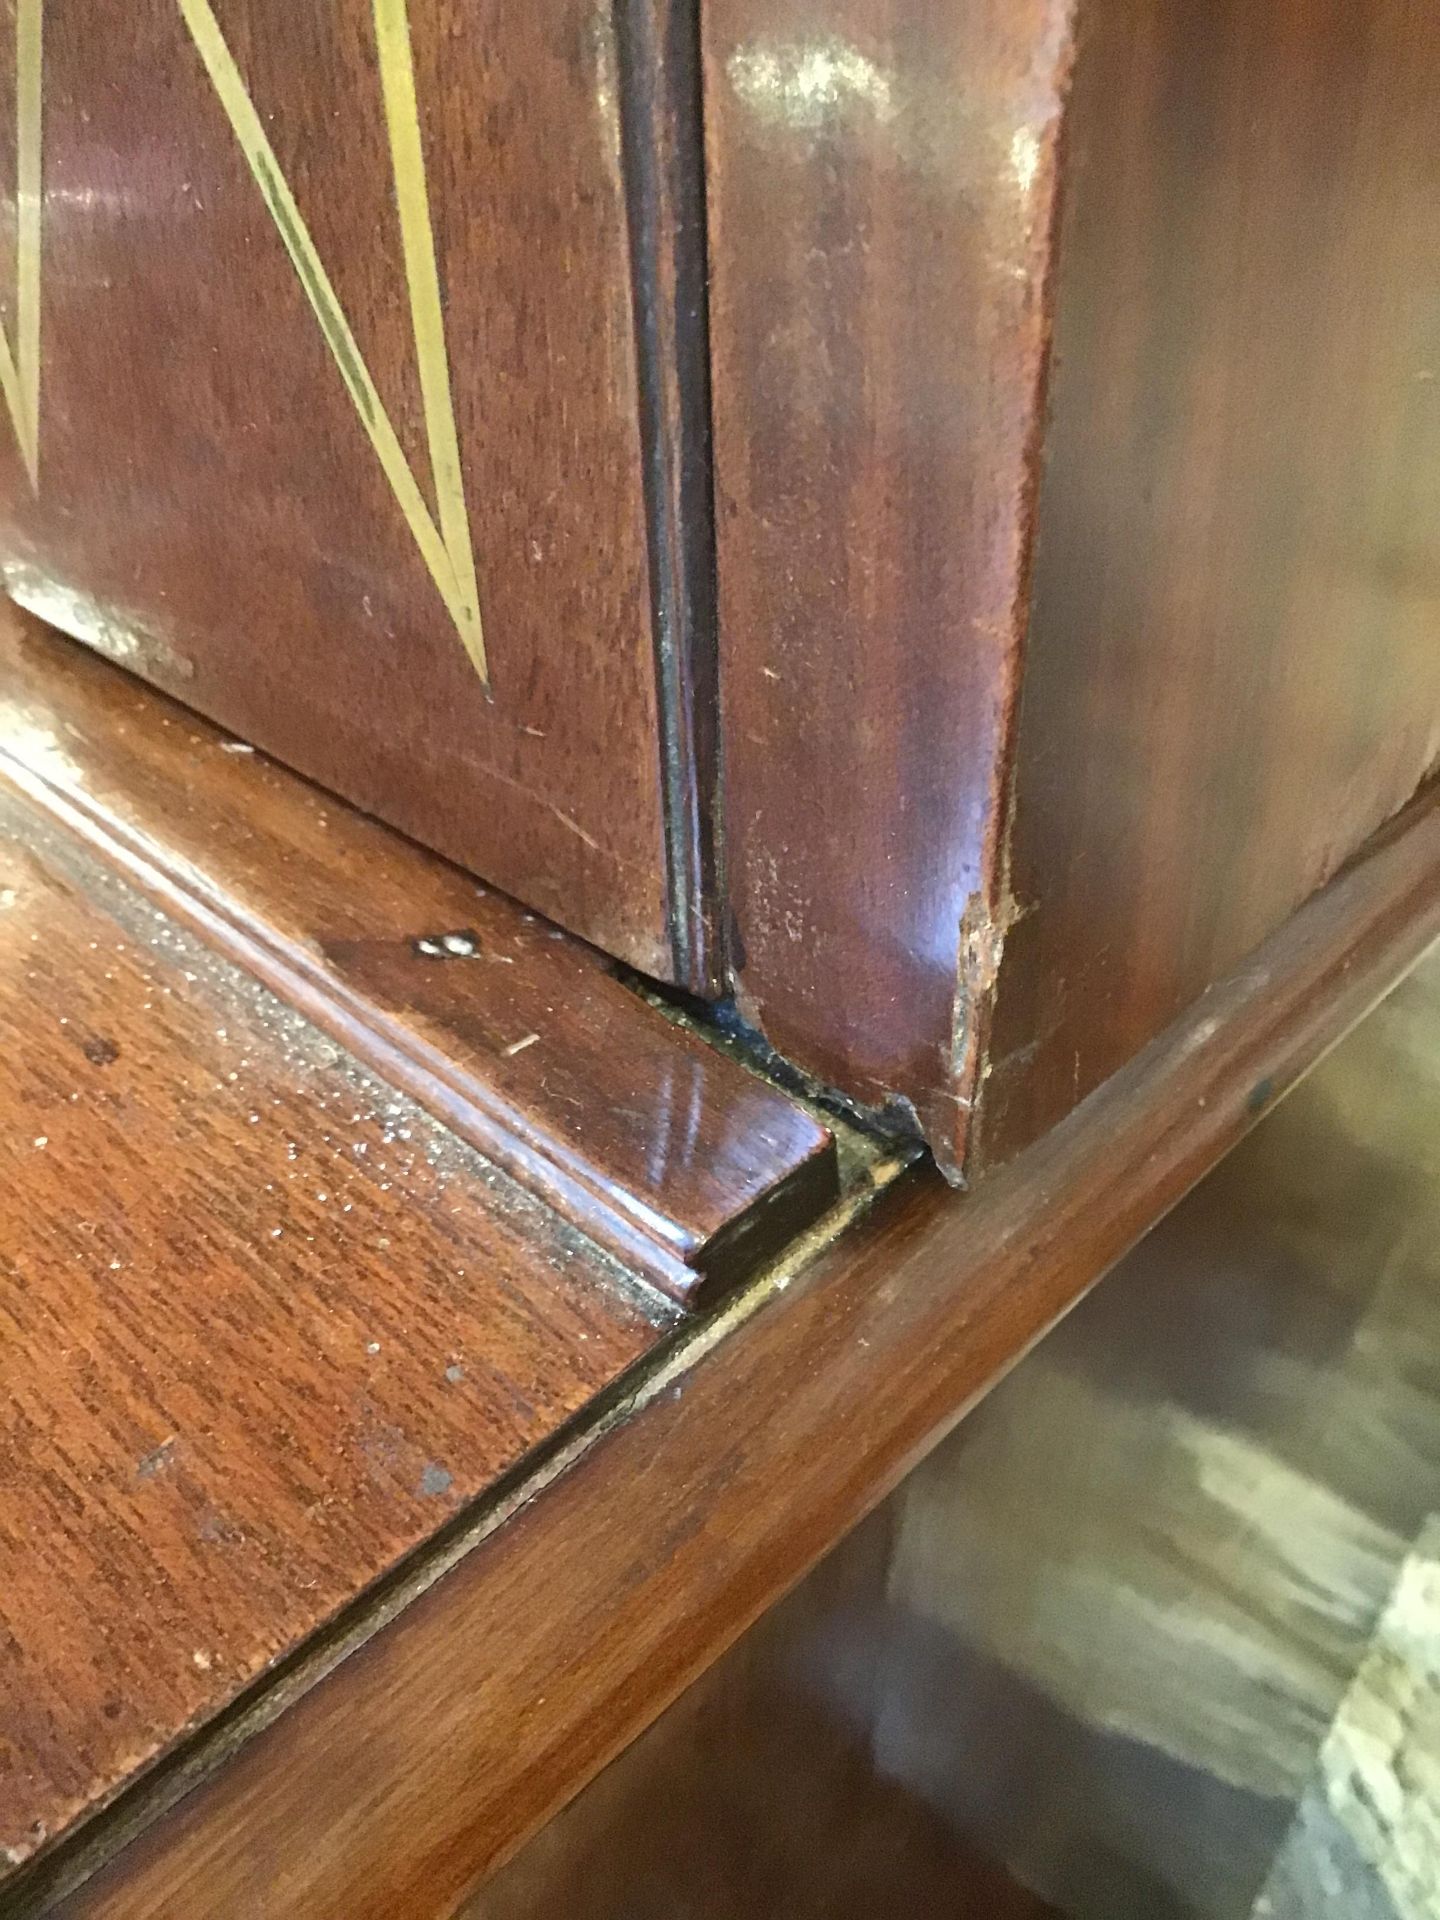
(20, 357)
(443, 538)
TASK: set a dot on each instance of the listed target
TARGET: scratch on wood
(984, 930)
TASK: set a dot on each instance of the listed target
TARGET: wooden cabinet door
(333, 365)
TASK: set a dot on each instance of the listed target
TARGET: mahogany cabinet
(920, 520)
(710, 612)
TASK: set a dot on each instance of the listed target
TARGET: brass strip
(29, 69)
(435, 549)
(20, 365)
(14, 404)
(407, 161)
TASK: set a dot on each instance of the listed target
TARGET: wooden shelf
(335, 1188)
(267, 1326)
(433, 1752)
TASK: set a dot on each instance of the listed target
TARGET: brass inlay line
(407, 159)
(446, 549)
(20, 364)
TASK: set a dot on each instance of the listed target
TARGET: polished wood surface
(1227, 674)
(757, 1792)
(1041, 703)
(659, 53)
(1233, 668)
(227, 340)
(1168, 1595)
(516, 1036)
(879, 191)
(267, 1326)
(444, 1742)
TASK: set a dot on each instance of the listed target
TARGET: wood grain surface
(757, 1793)
(266, 1328)
(1226, 675)
(1233, 667)
(518, 1037)
(880, 186)
(1073, 1639)
(440, 1745)
(210, 508)
(658, 45)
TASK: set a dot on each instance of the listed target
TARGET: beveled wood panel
(554, 1643)
(1233, 668)
(338, 430)
(517, 1036)
(265, 1326)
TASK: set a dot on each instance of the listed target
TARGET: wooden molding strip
(658, 48)
(519, 1037)
(440, 1745)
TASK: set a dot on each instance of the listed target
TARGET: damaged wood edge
(992, 912)
(470, 1105)
(573, 1627)
(983, 932)
(862, 1134)
(51, 1876)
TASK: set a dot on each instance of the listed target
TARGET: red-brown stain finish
(763, 1791)
(210, 509)
(1233, 669)
(264, 1326)
(517, 1036)
(985, 841)
(881, 181)
(447, 1740)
